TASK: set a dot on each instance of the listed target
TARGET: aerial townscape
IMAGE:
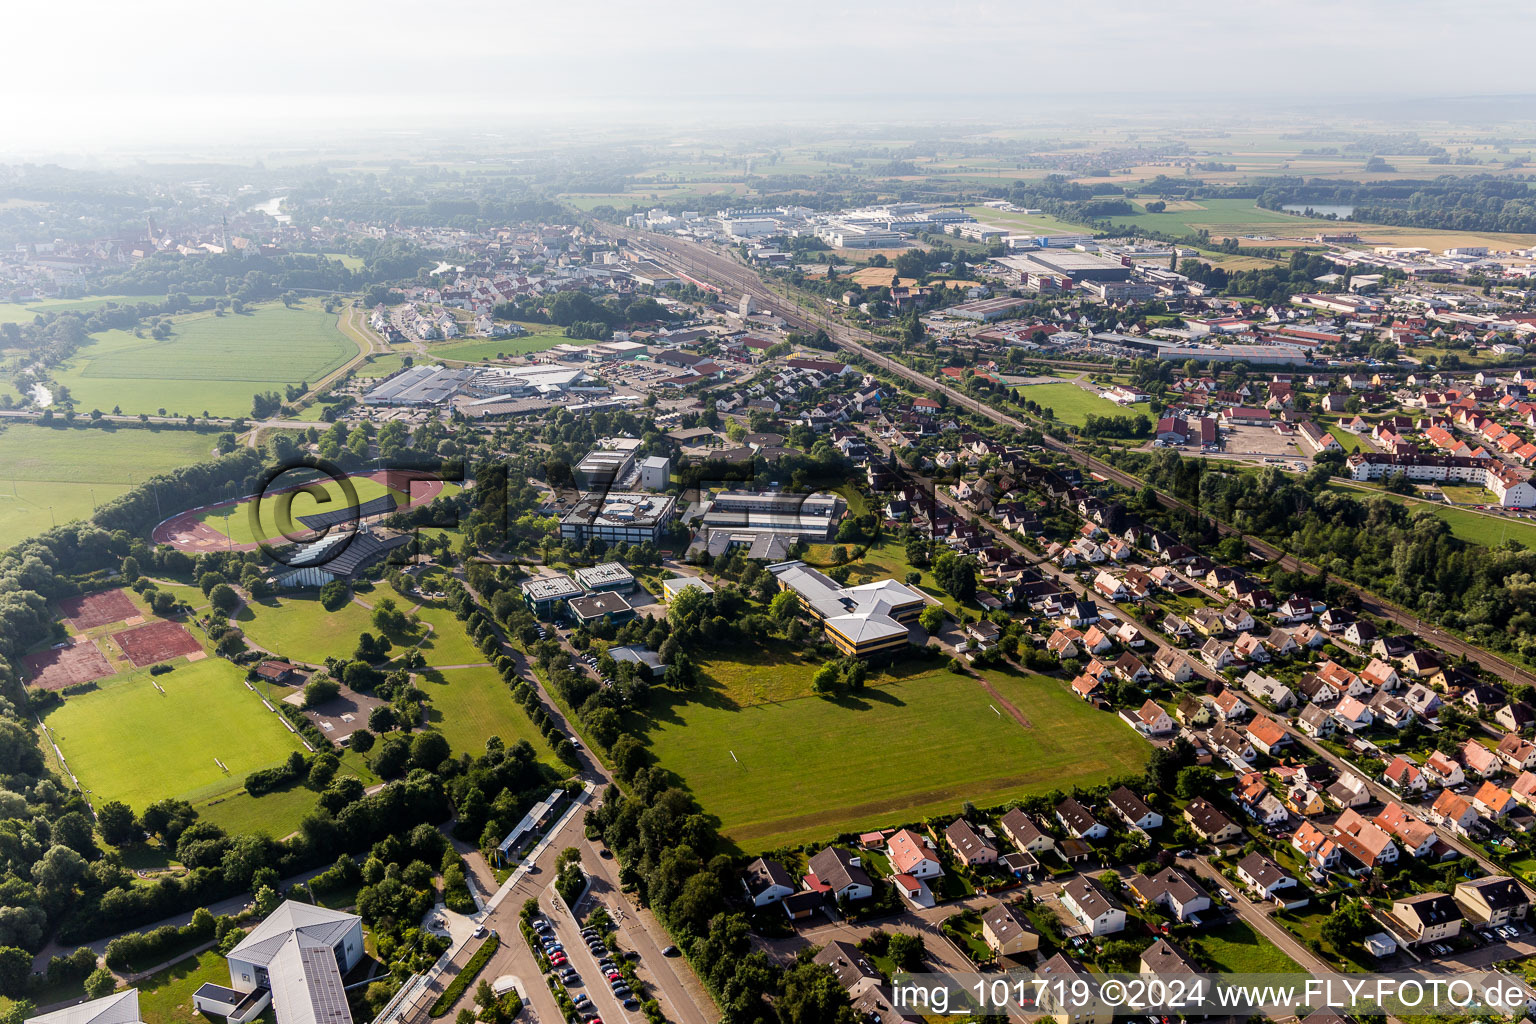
(782, 542)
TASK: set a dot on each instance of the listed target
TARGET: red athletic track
(185, 531)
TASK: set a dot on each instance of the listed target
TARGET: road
(681, 995)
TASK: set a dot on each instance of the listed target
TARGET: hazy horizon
(162, 75)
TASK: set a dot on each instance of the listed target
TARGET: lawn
(773, 673)
(296, 626)
(1237, 949)
(804, 769)
(541, 337)
(43, 466)
(384, 365)
(209, 362)
(447, 644)
(129, 742)
(1485, 528)
(275, 814)
(25, 312)
(470, 705)
(1351, 442)
(165, 997)
(1073, 405)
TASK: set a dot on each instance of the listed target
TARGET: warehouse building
(419, 385)
(872, 618)
(812, 517)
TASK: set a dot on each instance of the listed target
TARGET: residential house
(1172, 890)
(1495, 900)
(1267, 734)
(1413, 836)
(839, 875)
(1263, 875)
(1492, 801)
(1079, 823)
(971, 847)
(850, 967)
(1403, 775)
(1455, 812)
(1364, 843)
(1150, 719)
(1025, 833)
(766, 881)
(1008, 932)
(1426, 918)
(1480, 759)
(1133, 810)
(1209, 823)
(1441, 770)
(1092, 907)
(910, 854)
(1516, 752)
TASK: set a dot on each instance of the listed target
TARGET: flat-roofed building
(812, 517)
(863, 620)
(606, 576)
(596, 607)
(674, 585)
(655, 473)
(618, 517)
(542, 593)
(603, 467)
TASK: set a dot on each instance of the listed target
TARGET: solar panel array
(379, 506)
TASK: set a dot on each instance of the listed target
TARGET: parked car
(670, 951)
(631, 1003)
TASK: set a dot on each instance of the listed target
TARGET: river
(272, 208)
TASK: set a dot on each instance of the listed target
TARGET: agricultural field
(902, 750)
(1024, 223)
(61, 466)
(209, 363)
(470, 705)
(128, 741)
(1074, 405)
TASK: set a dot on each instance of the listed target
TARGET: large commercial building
(542, 593)
(419, 385)
(295, 960)
(1065, 263)
(812, 517)
(618, 517)
(602, 467)
(869, 619)
(607, 576)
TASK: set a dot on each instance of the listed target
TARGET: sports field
(470, 705)
(42, 466)
(237, 523)
(892, 753)
(1073, 405)
(129, 742)
(296, 626)
(209, 362)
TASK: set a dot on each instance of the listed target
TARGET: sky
(96, 75)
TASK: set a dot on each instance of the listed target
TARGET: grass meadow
(297, 626)
(1073, 405)
(807, 768)
(470, 705)
(209, 363)
(42, 466)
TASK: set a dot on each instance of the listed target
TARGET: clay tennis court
(97, 609)
(158, 641)
(186, 531)
(78, 663)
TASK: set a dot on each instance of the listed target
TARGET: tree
(931, 618)
(908, 951)
(224, 598)
(394, 753)
(333, 595)
(101, 982)
(825, 679)
(115, 821)
(428, 750)
(320, 689)
(1194, 782)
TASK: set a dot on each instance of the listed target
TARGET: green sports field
(806, 769)
(129, 742)
(470, 705)
(1074, 405)
(209, 363)
(59, 466)
(236, 524)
